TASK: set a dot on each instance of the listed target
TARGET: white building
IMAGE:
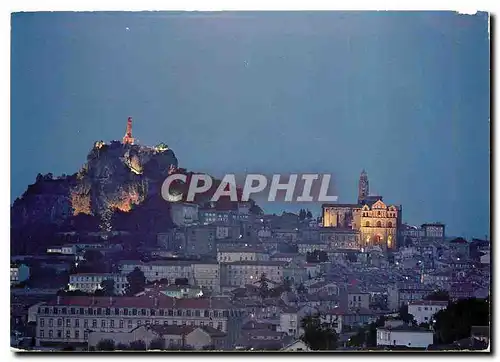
(160, 269)
(297, 346)
(71, 319)
(184, 213)
(90, 282)
(289, 322)
(207, 275)
(404, 336)
(19, 273)
(228, 254)
(241, 273)
(310, 246)
(65, 249)
(424, 310)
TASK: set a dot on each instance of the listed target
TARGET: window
(117, 311)
(59, 322)
(51, 333)
(103, 323)
(42, 322)
(134, 311)
(68, 333)
(219, 326)
(139, 322)
(85, 335)
(121, 323)
(188, 313)
(42, 334)
(367, 224)
(81, 311)
(85, 323)
(162, 312)
(72, 310)
(129, 324)
(379, 224)
(94, 323)
(125, 311)
(59, 334)
(143, 311)
(179, 312)
(77, 323)
(68, 322)
(111, 323)
(174, 323)
(77, 334)
(197, 312)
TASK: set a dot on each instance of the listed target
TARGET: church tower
(363, 187)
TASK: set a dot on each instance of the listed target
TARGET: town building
(424, 310)
(406, 336)
(228, 254)
(184, 213)
(240, 273)
(305, 247)
(207, 275)
(70, 320)
(90, 282)
(378, 223)
(19, 273)
(338, 238)
(160, 269)
(434, 231)
(174, 337)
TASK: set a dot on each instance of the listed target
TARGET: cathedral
(377, 223)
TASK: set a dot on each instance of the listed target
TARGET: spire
(363, 187)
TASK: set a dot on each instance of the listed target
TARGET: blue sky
(403, 95)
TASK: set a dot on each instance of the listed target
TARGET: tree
(181, 281)
(105, 345)
(309, 214)
(136, 281)
(122, 347)
(157, 343)
(455, 322)
(263, 287)
(441, 295)
(138, 345)
(108, 287)
(287, 284)
(302, 214)
(92, 256)
(301, 289)
(405, 316)
(317, 335)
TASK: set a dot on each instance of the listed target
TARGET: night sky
(403, 95)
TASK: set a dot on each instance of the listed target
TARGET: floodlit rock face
(115, 177)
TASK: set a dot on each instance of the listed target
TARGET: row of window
(59, 334)
(96, 285)
(97, 278)
(121, 323)
(133, 311)
(378, 224)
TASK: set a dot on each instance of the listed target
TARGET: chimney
(58, 299)
(156, 302)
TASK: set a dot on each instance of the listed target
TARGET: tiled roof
(160, 301)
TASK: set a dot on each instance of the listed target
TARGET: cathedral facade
(377, 223)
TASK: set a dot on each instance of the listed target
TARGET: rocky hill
(116, 176)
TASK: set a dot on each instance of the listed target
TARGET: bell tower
(363, 187)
